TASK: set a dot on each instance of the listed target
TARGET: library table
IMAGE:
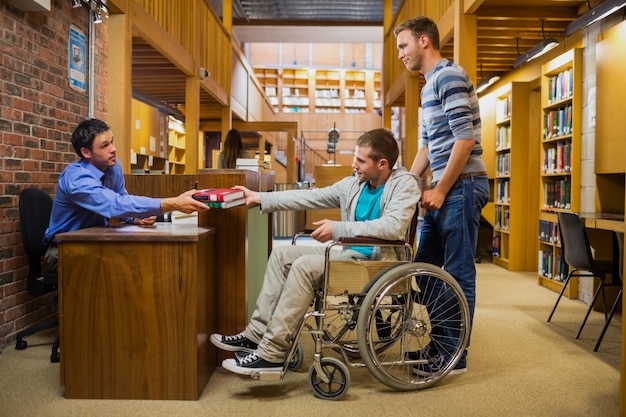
(604, 221)
(136, 308)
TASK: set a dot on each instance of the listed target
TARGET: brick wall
(38, 110)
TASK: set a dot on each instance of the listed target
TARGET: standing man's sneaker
(435, 365)
(250, 364)
(236, 343)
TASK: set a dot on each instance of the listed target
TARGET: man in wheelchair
(377, 201)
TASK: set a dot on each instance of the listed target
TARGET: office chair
(618, 279)
(35, 206)
(577, 255)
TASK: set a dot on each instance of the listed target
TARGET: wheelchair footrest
(268, 375)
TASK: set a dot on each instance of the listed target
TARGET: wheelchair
(406, 322)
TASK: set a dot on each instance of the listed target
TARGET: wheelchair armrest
(299, 235)
(369, 241)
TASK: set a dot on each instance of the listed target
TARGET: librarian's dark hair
(233, 148)
(85, 133)
(420, 25)
(383, 145)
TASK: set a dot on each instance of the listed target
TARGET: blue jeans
(449, 236)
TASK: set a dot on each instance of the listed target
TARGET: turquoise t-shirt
(368, 208)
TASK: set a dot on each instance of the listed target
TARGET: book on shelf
(496, 246)
(218, 194)
(225, 204)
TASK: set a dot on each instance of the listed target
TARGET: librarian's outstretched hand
(253, 198)
(184, 203)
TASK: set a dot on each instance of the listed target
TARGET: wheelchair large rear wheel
(427, 319)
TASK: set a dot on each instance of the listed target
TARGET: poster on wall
(77, 59)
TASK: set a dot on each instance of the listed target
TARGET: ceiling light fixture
(544, 46)
(599, 12)
(486, 82)
(97, 16)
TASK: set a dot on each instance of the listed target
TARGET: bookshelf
(513, 245)
(295, 91)
(176, 145)
(292, 90)
(268, 78)
(327, 91)
(561, 123)
(147, 151)
(354, 97)
(376, 91)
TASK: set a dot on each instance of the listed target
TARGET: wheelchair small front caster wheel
(339, 379)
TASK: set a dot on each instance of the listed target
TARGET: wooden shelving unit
(354, 97)
(328, 85)
(147, 141)
(295, 91)
(514, 247)
(561, 101)
(176, 144)
(268, 77)
(376, 103)
(321, 90)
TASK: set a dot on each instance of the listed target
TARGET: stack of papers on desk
(253, 164)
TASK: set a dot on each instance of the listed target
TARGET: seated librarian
(378, 201)
(91, 191)
(233, 149)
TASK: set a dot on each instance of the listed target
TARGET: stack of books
(220, 197)
(253, 164)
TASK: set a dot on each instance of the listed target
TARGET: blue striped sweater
(450, 112)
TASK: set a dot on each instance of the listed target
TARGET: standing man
(450, 146)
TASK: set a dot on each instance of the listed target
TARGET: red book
(218, 194)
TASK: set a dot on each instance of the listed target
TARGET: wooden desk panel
(236, 249)
(241, 257)
(136, 308)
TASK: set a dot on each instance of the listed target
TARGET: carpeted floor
(519, 365)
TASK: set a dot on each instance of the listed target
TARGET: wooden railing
(309, 158)
(195, 27)
(214, 42)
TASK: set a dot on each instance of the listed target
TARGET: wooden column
(465, 40)
(227, 21)
(192, 123)
(412, 102)
(385, 78)
(119, 84)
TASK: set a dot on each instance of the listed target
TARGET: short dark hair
(420, 25)
(85, 133)
(382, 143)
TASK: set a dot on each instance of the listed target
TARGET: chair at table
(619, 281)
(35, 206)
(577, 255)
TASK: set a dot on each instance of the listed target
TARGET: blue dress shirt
(87, 197)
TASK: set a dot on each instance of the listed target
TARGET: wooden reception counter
(136, 307)
(243, 238)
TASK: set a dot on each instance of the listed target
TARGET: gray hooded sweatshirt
(398, 203)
